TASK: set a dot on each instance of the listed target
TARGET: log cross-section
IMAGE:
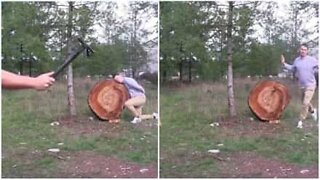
(106, 99)
(268, 99)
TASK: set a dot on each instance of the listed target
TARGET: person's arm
(13, 81)
(285, 65)
(133, 84)
(315, 65)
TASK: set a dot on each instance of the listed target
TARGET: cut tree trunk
(268, 99)
(106, 99)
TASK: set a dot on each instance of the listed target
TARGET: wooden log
(268, 99)
(106, 99)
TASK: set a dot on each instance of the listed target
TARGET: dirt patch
(248, 127)
(88, 126)
(91, 165)
(249, 164)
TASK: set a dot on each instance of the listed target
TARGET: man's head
(119, 77)
(303, 51)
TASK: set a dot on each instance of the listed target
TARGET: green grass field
(27, 133)
(186, 134)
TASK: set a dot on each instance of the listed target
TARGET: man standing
(305, 67)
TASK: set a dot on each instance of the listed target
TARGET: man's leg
(134, 102)
(307, 95)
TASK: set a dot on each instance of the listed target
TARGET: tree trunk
(180, 70)
(71, 97)
(164, 71)
(231, 101)
(30, 66)
(190, 73)
(21, 66)
(21, 60)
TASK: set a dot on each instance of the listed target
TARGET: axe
(73, 55)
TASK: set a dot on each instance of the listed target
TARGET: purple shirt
(305, 68)
(133, 87)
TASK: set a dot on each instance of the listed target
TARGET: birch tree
(231, 102)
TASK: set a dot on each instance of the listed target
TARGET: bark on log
(106, 99)
(268, 99)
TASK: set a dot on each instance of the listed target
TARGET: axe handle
(66, 63)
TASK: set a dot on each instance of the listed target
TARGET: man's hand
(282, 59)
(14, 81)
(43, 81)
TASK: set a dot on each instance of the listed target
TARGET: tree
(71, 97)
(181, 38)
(111, 25)
(23, 37)
(231, 101)
(137, 34)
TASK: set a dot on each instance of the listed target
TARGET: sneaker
(155, 115)
(136, 120)
(299, 124)
(314, 115)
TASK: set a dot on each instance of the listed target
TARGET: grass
(185, 134)
(27, 133)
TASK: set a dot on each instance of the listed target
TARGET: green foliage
(107, 59)
(212, 70)
(21, 34)
(263, 59)
(181, 36)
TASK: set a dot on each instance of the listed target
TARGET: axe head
(88, 49)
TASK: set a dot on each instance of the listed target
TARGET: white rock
(55, 123)
(144, 170)
(220, 145)
(54, 150)
(214, 151)
(214, 124)
(60, 144)
(304, 171)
